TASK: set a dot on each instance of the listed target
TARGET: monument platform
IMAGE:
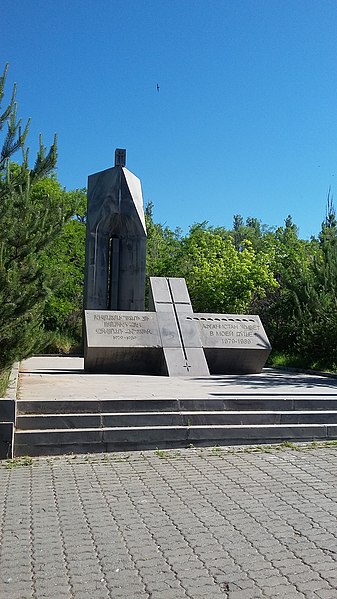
(62, 409)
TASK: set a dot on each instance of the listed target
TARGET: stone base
(124, 360)
(173, 341)
(236, 361)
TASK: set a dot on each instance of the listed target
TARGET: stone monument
(120, 337)
(115, 241)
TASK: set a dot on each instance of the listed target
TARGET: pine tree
(314, 299)
(29, 221)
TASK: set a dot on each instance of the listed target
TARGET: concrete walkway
(207, 523)
(58, 377)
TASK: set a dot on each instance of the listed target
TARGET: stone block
(145, 435)
(168, 327)
(122, 342)
(6, 439)
(180, 337)
(233, 343)
(196, 362)
(7, 410)
(179, 291)
(189, 329)
(159, 292)
(173, 340)
(188, 362)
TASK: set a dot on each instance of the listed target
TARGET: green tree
(252, 230)
(163, 249)
(290, 261)
(30, 218)
(316, 300)
(220, 277)
(65, 258)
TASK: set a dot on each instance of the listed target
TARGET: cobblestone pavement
(208, 524)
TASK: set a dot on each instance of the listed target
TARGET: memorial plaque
(233, 343)
(122, 329)
(122, 342)
(231, 330)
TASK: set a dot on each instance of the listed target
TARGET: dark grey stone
(256, 433)
(101, 406)
(6, 439)
(144, 435)
(7, 410)
(61, 421)
(116, 241)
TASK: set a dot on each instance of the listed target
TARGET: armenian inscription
(137, 329)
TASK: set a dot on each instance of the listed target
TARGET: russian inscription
(219, 331)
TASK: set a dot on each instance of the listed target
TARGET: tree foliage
(65, 257)
(290, 282)
(33, 210)
(220, 277)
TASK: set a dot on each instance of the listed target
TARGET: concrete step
(235, 402)
(54, 442)
(172, 419)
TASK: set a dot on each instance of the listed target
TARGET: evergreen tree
(316, 300)
(29, 221)
(163, 247)
(64, 257)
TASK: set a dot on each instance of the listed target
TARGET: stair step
(139, 419)
(108, 406)
(52, 442)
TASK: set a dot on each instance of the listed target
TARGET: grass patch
(161, 453)
(4, 380)
(283, 360)
(19, 462)
(217, 450)
(329, 443)
(290, 445)
(64, 343)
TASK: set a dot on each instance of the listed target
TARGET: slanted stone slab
(180, 337)
(122, 342)
(233, 343)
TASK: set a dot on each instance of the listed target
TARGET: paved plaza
(59, 377)
(193, 523)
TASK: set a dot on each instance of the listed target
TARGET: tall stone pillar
(115, 241)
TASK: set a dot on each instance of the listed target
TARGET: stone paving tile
(197, 524)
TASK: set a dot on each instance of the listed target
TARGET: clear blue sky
(245, 120)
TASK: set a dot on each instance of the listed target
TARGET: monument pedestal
(173, 340)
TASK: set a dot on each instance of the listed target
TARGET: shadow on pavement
(273, 379)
